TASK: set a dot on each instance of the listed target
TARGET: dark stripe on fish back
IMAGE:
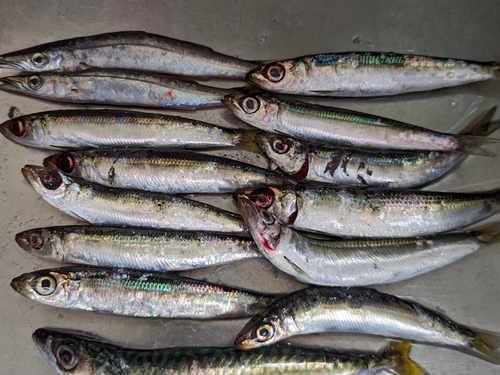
(362, 58)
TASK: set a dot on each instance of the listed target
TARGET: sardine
(116, 87)
(80, 129)
(143, 249)
(98, 204)
(367, 311)
(368, 74)
(330, 126)
(82, 353)
(356, 262)
(374, 212)
(137, 293)
(173, 172)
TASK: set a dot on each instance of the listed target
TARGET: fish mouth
(10, 64)
(22, 241)
(256, 76)
(51, 162)
(231, 103)
(11, 84)
(32, 174)
(247, 208)
(44, 338)
(21, 285)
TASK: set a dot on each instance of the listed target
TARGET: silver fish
(116, 87)
(173, 172)
(368, 74)
(374, 212)
(137, 293)
(328, 126)
(367, 311)
(144, 249)
(82, 353)
(127, 50)
(80, 129)
(119, 207)
(357, 262)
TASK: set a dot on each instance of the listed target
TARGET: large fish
(374, 212)
(127, 50)
(172, 172)
(137, 293)
(330, 126)
(82, 129)
(98, 204)
(357, 262)
(144, 249)
(116, 87)
(80, 353)
(366, 311)
(368, 74)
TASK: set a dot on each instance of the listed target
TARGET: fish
(116, 87)
(127, 50)
(357, 262)
(101, 205)
(329, 126)
(383, 213)
(365, 74)
(76, 352)
(135, 248)
(83, 129)
(137, 293)
(171, 172)
(363, 311)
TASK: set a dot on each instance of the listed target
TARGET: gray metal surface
(468, 290)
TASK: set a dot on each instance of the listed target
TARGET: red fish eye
(66, 163)
(35, 240)
(262, 197)
(17, 128)
(50, 179)
(275, 73)
(250, 104)
(281, 146)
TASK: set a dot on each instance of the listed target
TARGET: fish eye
(51, 180)
(264, 332)
(17, 128)
(262, 197)
(67, 356)
(45, 285)
(35, 240)
(66, 163)
(280, 146)
(39, 59)
(250, 105)
(267, 218)
(35, 82)
(275, 73)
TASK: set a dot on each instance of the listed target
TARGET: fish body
(172, 172)
(98, 204)
(368, 74)
(374, 212)
(82, 353)
(116, 87)
(127, 50)
(365, 311)
(137, 293)
(356, 262)
(144, 249)
(81, 129)
(329, 126)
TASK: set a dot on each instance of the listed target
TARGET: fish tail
(401, 364)
(473, 137)
(485, 345)
(482, 125)
(473, 145)
(490, 233)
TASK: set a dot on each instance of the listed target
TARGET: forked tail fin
(400, 364)
(485, 345)
(473, 137)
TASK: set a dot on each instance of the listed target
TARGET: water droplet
(453, 103)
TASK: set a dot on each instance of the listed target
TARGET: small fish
(82, 129)
(116, 87)
(357, 262)
(144, 249)
(98, 204)
(374, 212)
(368, 74)
(74, 352)
(137, 293)
(171, 172)
(328, 126)
(365, 311)
(127, 50)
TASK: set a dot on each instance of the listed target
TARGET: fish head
(38, 85)
(286, 153)
(25, 130)
(281, 203)
(42, 242)
(284, 76)
(257, 110)
(67, 353)
(47, 286)
(39, 59)
(70, 163)
(51, 185)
